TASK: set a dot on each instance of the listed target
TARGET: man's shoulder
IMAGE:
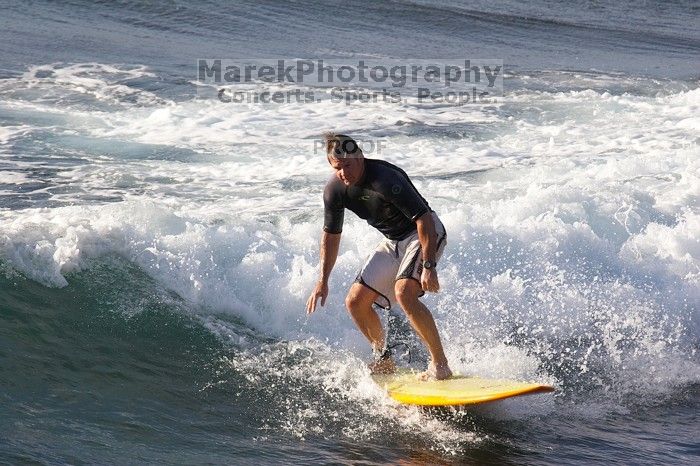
(332, 180)
(379, 164)
(382, 170)
(334, 187)
(384, 173)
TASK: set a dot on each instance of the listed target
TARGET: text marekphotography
(279, 81)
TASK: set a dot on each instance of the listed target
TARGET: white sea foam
(9, 132)
(342, 394)
(63, 82)
(13, 177)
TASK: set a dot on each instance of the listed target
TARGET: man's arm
(428, 242)
(330, 243)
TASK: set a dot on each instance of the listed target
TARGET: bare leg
(422, 321)
(359, 303)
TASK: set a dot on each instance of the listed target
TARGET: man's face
(348, 170)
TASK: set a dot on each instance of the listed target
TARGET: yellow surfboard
(405, 387)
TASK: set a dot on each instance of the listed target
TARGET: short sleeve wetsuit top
(384, 196)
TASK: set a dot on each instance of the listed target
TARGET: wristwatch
(429, 264)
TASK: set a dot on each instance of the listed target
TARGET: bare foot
(382, 366)
(436, 372)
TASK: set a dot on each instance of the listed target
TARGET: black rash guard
(384, 196)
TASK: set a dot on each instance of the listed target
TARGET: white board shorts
(394, 260)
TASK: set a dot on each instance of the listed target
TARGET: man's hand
(429, 280)
(320, 291)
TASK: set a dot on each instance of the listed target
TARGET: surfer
(402, 267)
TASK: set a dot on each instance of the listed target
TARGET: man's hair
(340, 146)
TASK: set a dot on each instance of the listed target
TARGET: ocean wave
(571, 215)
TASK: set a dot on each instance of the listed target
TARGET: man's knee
(358, 299)
(406, 291)
(352, 301)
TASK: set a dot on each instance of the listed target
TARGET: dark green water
(114, 369)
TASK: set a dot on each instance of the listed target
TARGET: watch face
(428, 264)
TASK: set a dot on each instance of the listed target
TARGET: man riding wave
(402, 267)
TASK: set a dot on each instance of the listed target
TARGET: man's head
(345, 156)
